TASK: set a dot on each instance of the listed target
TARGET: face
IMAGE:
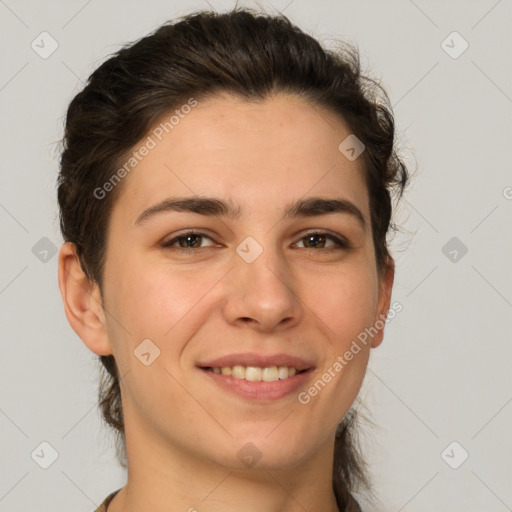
(258, 284)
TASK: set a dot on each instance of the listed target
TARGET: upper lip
(258, 360)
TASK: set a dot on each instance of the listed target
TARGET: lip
(258, 360)
(259, 391)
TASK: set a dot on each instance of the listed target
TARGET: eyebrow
(210, 206)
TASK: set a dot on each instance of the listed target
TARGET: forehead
(254, 153)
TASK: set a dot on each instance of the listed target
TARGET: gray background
(443, 373)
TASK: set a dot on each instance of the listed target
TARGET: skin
(183, 432)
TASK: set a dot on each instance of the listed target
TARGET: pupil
(314, 237)
(187, 240)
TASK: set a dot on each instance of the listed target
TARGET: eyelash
(342, 244)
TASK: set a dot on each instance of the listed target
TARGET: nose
(262, 294)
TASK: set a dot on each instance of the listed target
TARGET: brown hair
(245, 53)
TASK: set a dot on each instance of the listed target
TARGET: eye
(187, 242)
(190, 241)
(317, 239)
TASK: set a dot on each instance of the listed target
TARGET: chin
(263, 451)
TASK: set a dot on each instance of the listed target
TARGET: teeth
(283, 372)
(270, 374)
(238, 372)
(255, 374)
(252, 373)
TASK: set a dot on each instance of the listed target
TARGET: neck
(167, 478)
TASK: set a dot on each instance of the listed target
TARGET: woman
(225, 194)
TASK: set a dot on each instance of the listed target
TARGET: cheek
(344, 300)
(151, 300)
(345, 303)
(155, 301)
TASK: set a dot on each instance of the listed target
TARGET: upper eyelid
(321, 231)
(187, 233)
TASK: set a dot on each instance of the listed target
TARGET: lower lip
(259, 390)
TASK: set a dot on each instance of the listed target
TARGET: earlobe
(385, 288)
(82, 302)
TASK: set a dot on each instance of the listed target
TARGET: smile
(256, 373)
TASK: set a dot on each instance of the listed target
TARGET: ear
(386, 279)
(82, 302)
